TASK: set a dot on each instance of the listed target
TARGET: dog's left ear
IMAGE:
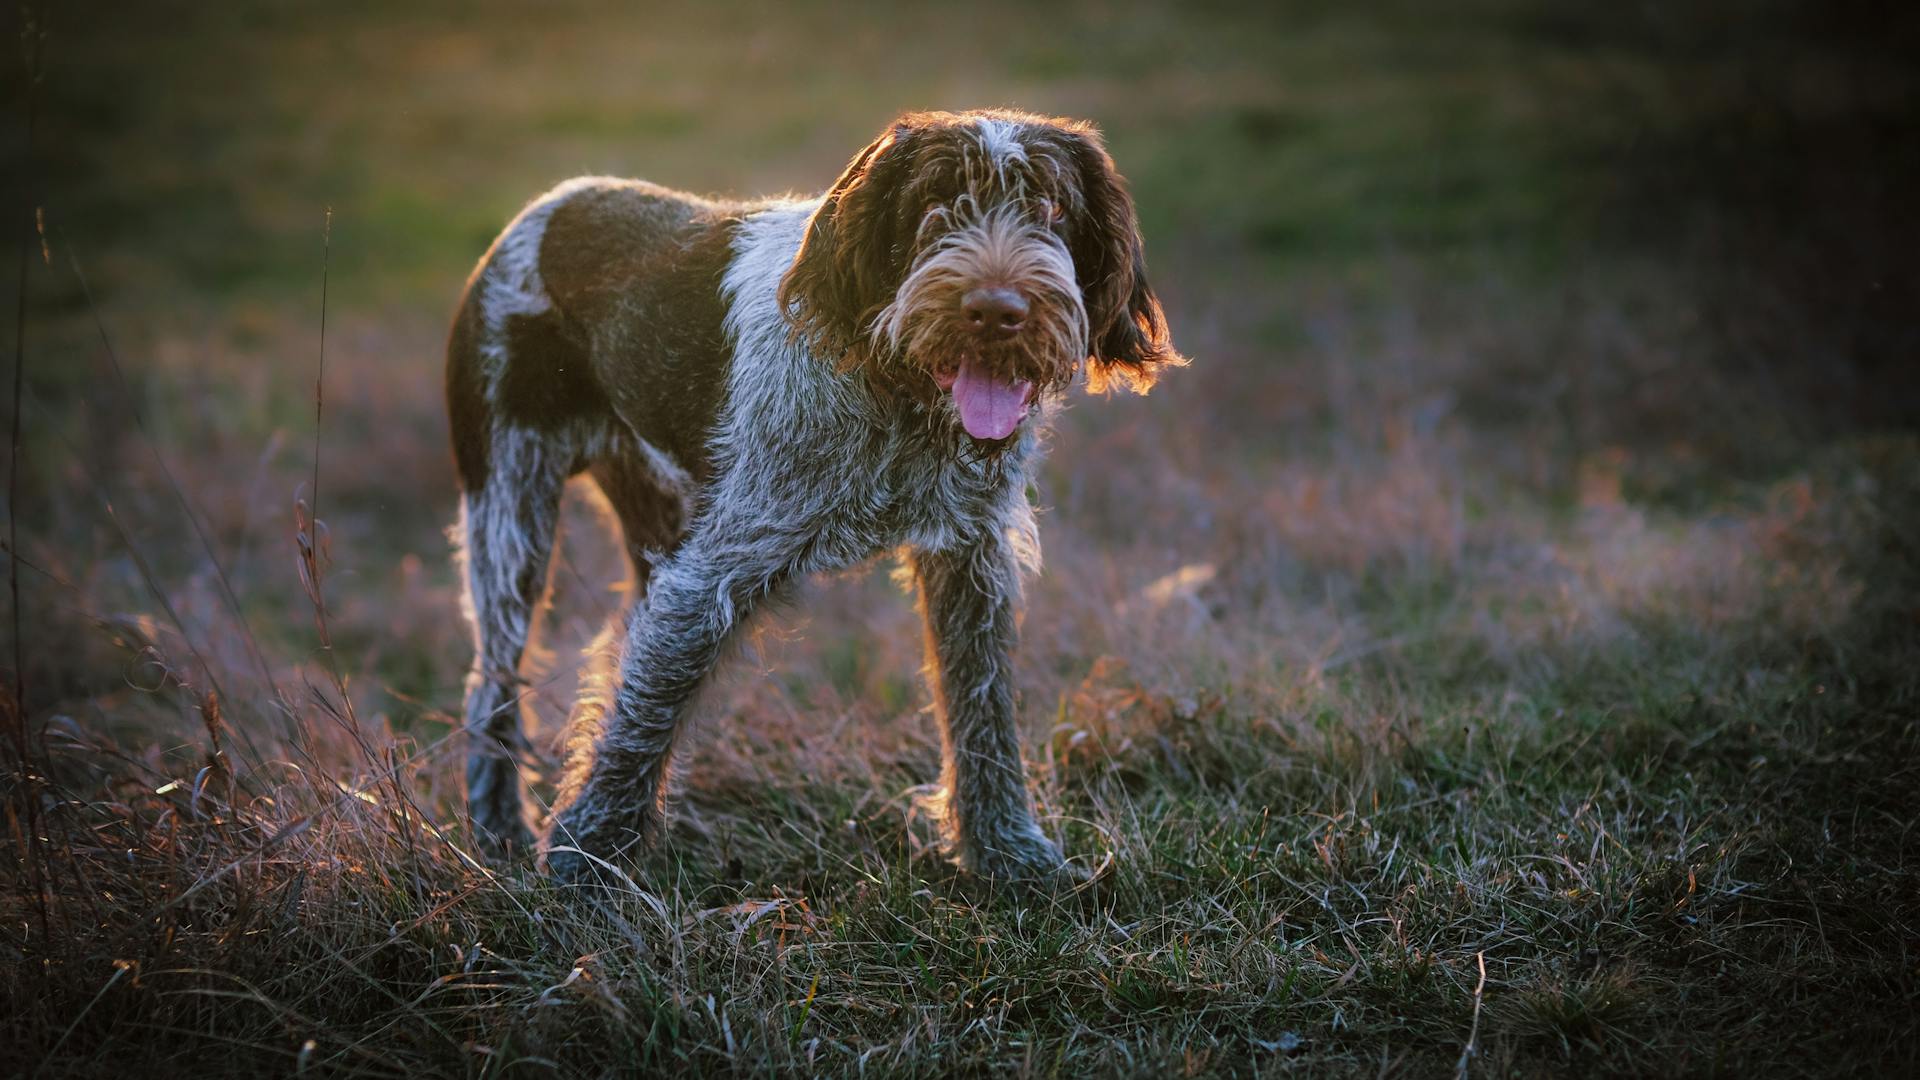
(1129, 338)
(853, 256)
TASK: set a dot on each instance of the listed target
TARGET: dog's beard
(992, 382)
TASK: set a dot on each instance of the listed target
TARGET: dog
(767, 390)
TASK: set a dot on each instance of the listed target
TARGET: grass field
(1497, 655)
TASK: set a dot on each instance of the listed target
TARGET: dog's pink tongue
(989, 408)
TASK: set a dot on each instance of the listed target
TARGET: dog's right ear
(854, 253)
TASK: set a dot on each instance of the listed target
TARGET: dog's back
(597, 309)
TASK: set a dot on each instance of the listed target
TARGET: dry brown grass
(1343, 724)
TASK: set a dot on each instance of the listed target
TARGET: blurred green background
(1760, 149)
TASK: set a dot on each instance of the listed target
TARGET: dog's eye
(1052, 212)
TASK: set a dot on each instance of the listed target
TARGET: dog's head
(984, 257)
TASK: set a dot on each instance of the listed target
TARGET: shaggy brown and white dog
(771, 389)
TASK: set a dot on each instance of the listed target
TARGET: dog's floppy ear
(853, 256)
(1127, 329)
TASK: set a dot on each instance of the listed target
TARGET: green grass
(1488, 597)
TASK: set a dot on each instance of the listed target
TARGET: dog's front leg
(613, 796)
(968, 600)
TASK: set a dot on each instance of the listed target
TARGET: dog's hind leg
(649, 495)
(507, 528)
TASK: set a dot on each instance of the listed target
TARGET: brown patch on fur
(853, 255)
(548, 384)
(647, 314)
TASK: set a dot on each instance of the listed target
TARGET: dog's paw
(1022, 856)
(496, 808)
(500, 831)
(568, 865)
(583, 847)
(502, 844)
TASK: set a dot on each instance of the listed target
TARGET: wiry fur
(758, 390)
(988, 244)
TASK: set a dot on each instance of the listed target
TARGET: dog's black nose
(994, 310)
